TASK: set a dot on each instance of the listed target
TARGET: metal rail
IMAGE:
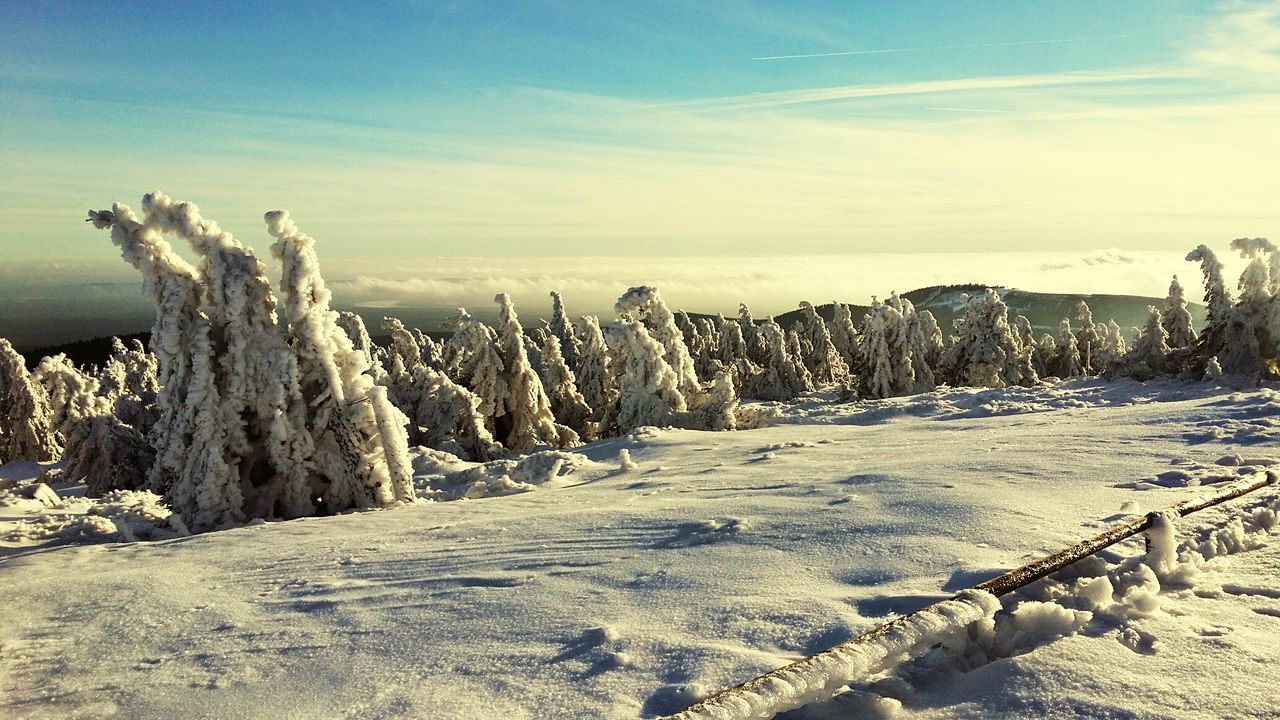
(728, 703)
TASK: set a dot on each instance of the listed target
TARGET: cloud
(970, 46)
(1113, 256)
(770, 285)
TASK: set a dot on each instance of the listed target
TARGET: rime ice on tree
(256, 419)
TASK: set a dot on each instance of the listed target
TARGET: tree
(986, 351)
(781, 377)
(26, 422)
(1227, 334)
(562, 329)
(528, 421)
(442, 414)
(1088, 339)
(645, 304)
(844, 336)
(567, 404)
(256, 419)
(355, 442)
(1149, 355)
(1065, 362)
(473, 362)
(648, 388)
(1176, 318)
(596, 379)
(821, 358)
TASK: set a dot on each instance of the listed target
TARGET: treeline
(254, 400)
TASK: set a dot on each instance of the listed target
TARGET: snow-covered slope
(623, 593)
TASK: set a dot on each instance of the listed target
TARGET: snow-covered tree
(238, 427)
(924, 338)
(357, 451)
(1176, 318)
(596, 382)
(712, 409)
(1065, 362)
(1027, 339)
(562, 329)
(821, 358)
(648, 388)
(986, 351)
(442, 414)
(1113, 348)
(72, 393)
(645, 304)
(1259, 306)
(1149, 355)
(1227, 335)
(1089, 340)
(781, 377)
(130, 384)
(844, 336)
(528, 421)
(26, 421)
(567, 403)
(887, 345)
(473, 361)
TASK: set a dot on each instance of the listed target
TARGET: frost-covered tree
(528, 421)
(924, 340)
(106, 454)
(596, 382)
(1113, 348)
(1027, 339)
(844, 336)
(72, 393)
(241, 433)
(404, 346)
(875, 366)
(567, 403)
(885, 366)
(1258, 308)
(1176, 318)
(821, 358)
(781, 377)
(1089, 340)
(713, 409)
(562, 329)
(648, 388)
(1065, 362)
(26, 421)
(442, 414)
(986, 351)
(473, 361)
(130, 384)
(645, 304)
(1227, 335)
(1149, 355)
(355, 445)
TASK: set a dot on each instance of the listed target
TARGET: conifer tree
(1176, 318)
(26, 421)
(529, 421)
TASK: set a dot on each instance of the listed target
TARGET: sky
(450, 135)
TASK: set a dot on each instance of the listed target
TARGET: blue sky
(423, 129)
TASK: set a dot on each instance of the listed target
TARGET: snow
(634, 575)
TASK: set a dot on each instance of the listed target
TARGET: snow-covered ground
(623, 593)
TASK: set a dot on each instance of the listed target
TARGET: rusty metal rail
(733, 702)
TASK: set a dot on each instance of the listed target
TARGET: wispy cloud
(930, 87)
(931, 48)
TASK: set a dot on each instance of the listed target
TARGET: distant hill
(1044, 310)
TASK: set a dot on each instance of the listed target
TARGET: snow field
(618, 593)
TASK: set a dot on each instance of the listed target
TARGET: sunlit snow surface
(629, 593)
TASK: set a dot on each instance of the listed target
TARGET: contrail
(887, 51)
